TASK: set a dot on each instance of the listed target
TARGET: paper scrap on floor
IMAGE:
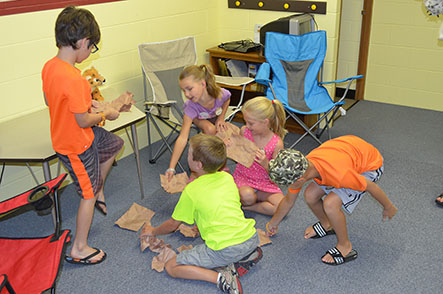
(135, 217)
(264, 239)
(159, 261)
(177, 183)
(159, 246)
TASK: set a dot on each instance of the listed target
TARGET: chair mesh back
(295, 61)
(162, 63)
(295, 79)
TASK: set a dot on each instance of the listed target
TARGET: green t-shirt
(213, 202)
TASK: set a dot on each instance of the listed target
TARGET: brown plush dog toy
(95, 80)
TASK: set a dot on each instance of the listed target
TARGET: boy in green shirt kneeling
(212, 201)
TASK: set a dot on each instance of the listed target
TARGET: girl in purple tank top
(206, 107)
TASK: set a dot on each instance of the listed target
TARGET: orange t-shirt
(340, 162)
(67, 92)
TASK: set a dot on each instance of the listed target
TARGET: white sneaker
(228, 280)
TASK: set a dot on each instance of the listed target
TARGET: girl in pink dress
(265, 121)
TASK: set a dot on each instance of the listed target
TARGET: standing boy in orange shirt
(86, 150)
(343, 169)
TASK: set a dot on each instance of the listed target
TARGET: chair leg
(148, 117)
(152, 159)
(5, 284)
(9, 288)
(328, 121)
(308, 130)
(165, 145)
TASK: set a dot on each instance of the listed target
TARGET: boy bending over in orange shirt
(342, 170)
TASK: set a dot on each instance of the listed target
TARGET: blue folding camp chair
(295, 61)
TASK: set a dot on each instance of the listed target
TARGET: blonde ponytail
(262, 108)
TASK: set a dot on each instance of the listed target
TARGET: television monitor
(296, 24)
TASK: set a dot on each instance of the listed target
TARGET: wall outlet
(257, 33)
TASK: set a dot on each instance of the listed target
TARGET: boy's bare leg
(104, 170)
(313, 198)
(332, 206)
(80, 247)
(190, 272)
(261, 202)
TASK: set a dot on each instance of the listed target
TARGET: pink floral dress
(256, 176)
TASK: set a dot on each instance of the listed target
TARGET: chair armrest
(342, 81)
(263, 74)
(233, 81)
(165, 103)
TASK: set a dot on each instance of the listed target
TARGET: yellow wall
(405, 59)
(124, 25)
(405, 64)
(28, 41)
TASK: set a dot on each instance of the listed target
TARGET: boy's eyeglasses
(95, 49)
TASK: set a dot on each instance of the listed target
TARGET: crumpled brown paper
(188, 231)
(177, 183)
(159, 261)
(230, 130)
(135, 217)
(183, 248)
(153, 243)
(264, 239)
(239, 148)
(158, 245)
(122, 104)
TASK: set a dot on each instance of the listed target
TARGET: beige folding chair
(162, 63)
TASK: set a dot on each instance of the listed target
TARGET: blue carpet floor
(403, 255)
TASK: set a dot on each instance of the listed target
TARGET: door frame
(364, 48)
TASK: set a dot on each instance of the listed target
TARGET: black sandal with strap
(439, 203)
(99, 208)
(320, 231)
(338, 257)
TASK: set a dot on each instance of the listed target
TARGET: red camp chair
(32, 264)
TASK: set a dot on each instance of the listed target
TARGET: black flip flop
(86, 260)
(99, 208)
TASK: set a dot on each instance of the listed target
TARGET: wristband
(102, 122)
(171, 169)
(294, 191)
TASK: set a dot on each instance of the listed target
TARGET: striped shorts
(85, 168)
(349, 197)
